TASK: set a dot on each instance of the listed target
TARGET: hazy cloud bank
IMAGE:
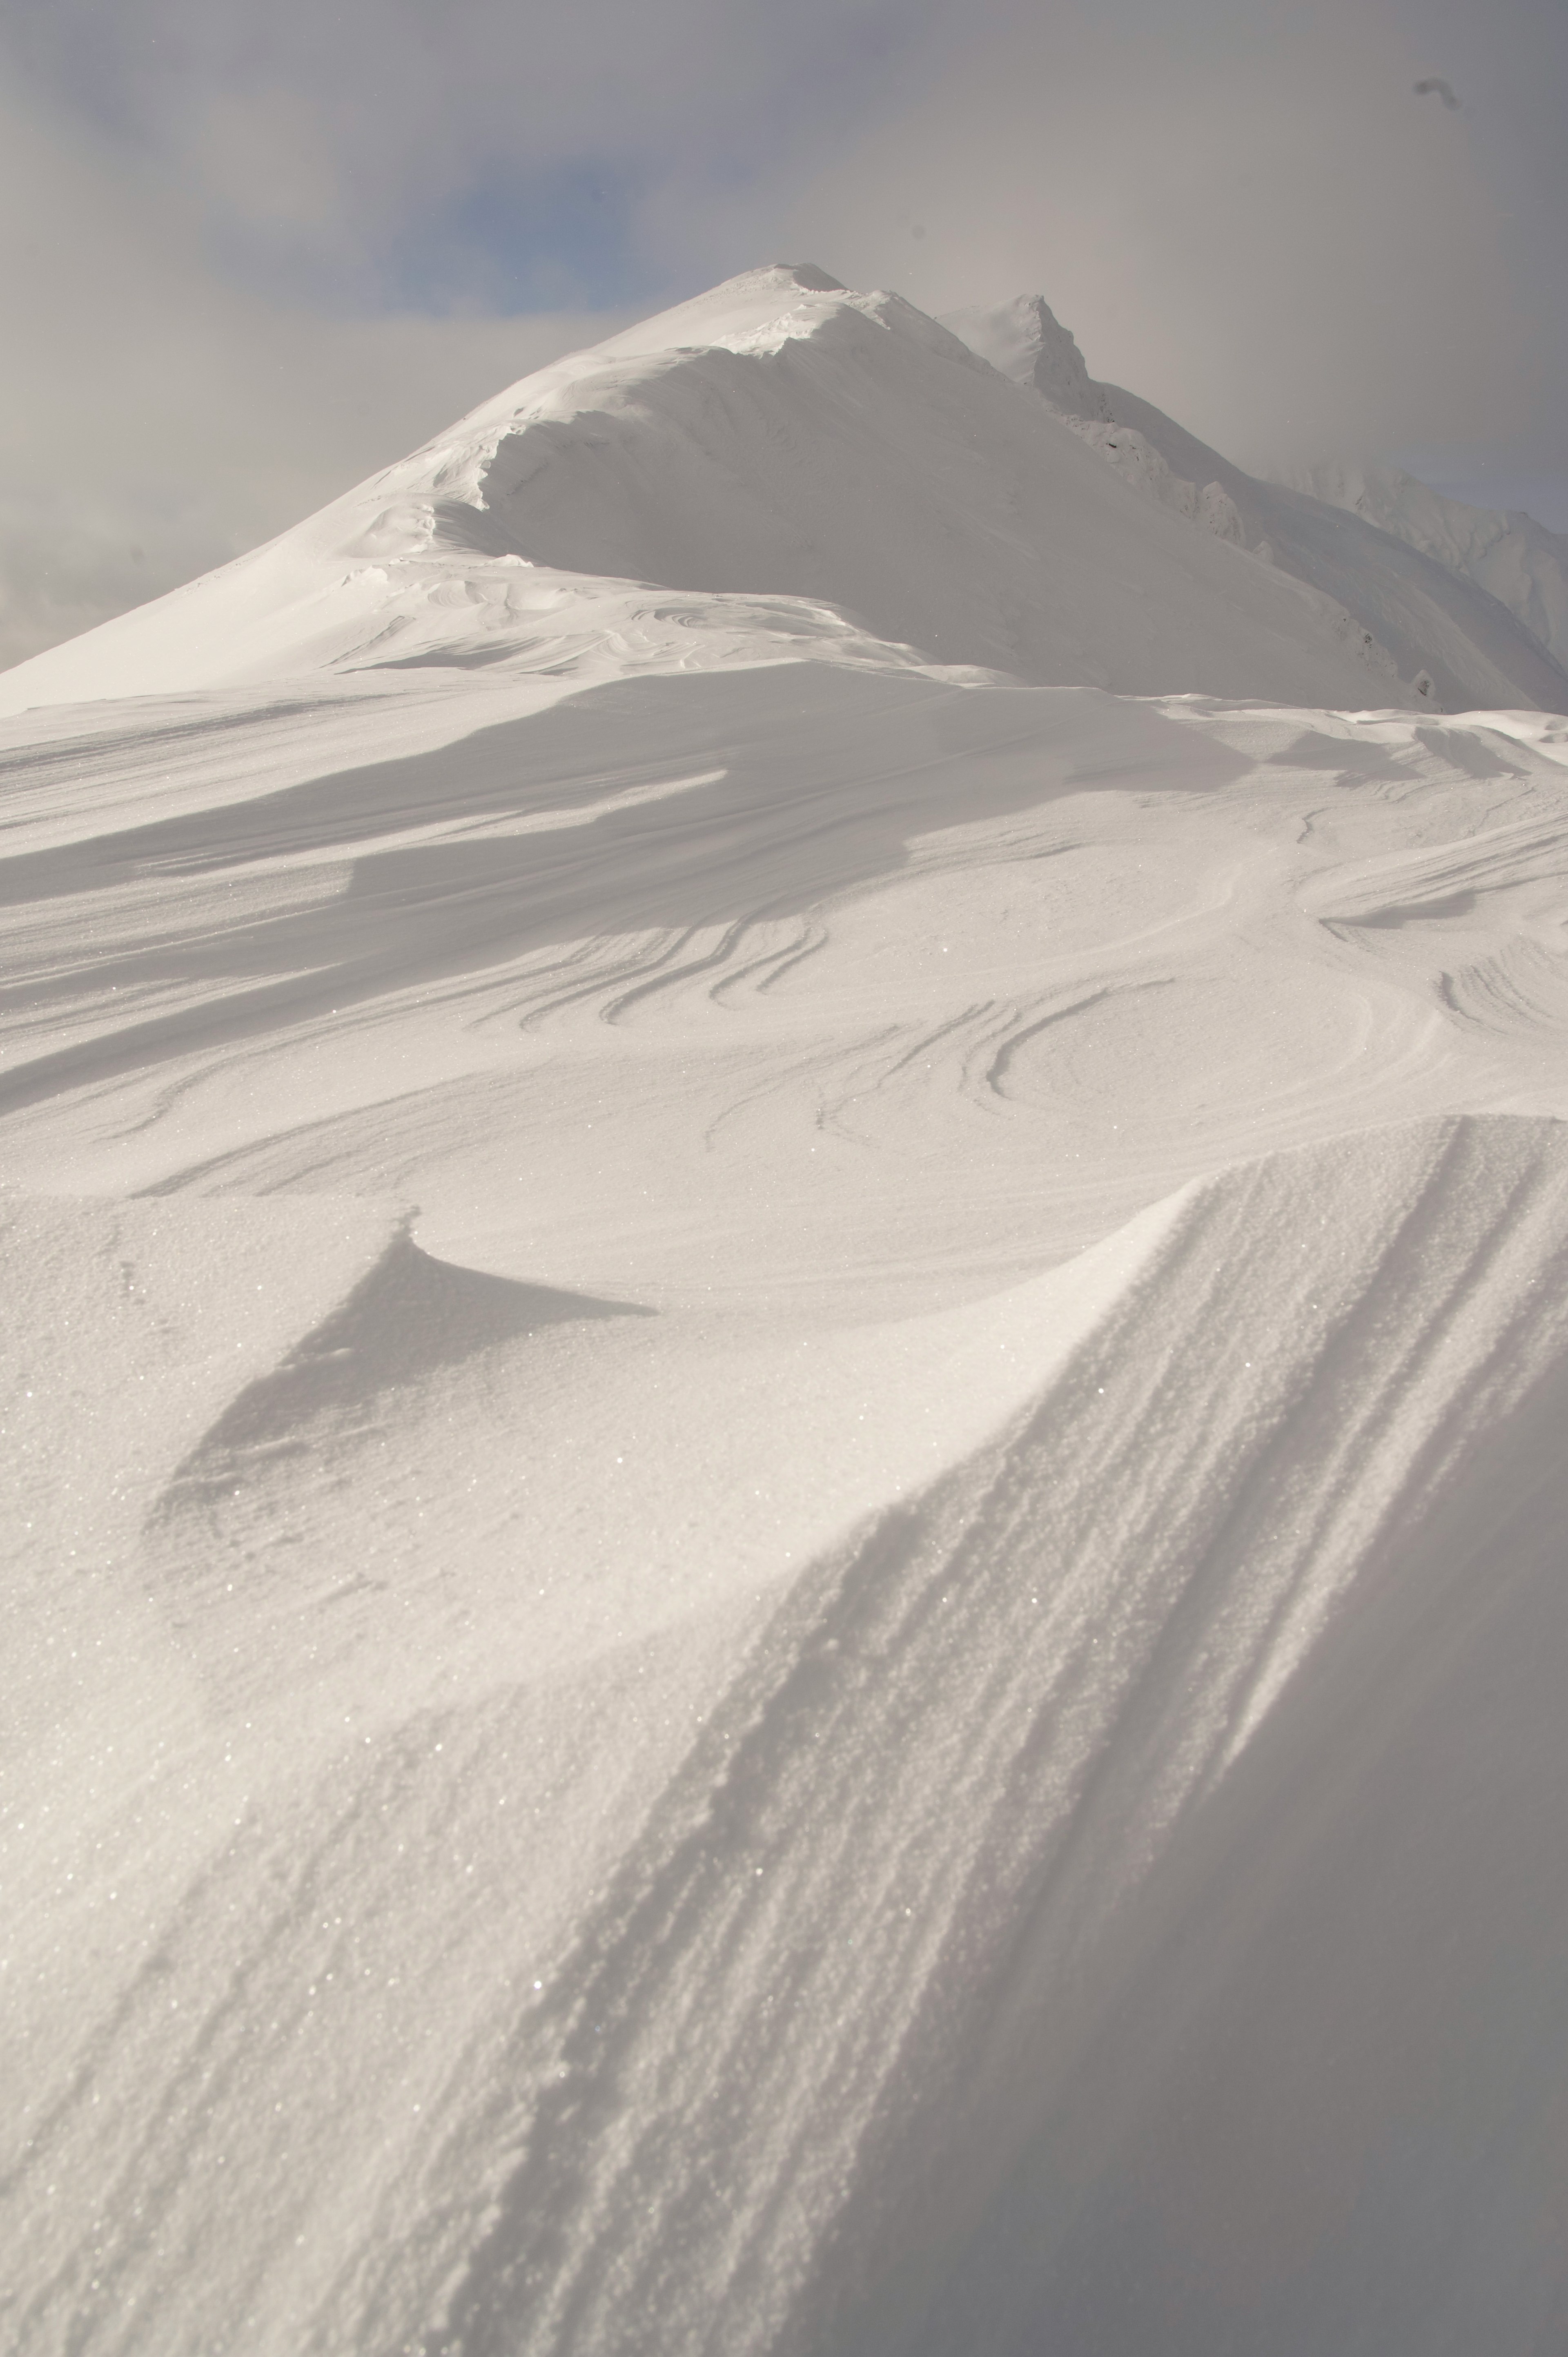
(158, 417)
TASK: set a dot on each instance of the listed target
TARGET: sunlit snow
(786, 1212)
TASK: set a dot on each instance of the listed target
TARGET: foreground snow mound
(780, 460)
(1470, 614)
(1516, 560)
(924, 1925)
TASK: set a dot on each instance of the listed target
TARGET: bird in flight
(1433, 83)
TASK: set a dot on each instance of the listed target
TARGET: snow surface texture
(785, 1574)
(1468, 618)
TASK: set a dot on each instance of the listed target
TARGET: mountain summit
(1027, 341)
(784, 463)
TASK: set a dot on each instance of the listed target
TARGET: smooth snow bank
(955, 1757)
(779, 461)
(1208, 2116)
(1469, 614)
(1517, 561)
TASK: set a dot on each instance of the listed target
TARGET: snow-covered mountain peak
(1468, 610)
(757, 312)
(737, 307)
(808, 273)
(778, 462)
(1027, 341)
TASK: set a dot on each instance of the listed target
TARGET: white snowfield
(786, 1402)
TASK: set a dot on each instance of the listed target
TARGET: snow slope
(1482, 631)
(780, 458)
(783, 1559)
(1516, 560)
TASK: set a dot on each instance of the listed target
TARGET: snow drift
(871, 2017)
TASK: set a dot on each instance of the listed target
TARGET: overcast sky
(255, 248)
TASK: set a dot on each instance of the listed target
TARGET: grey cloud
(1234, 207)
(322, 140)
(147, 405)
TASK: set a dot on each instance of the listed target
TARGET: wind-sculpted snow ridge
(837, 1987)
(1471, 610)
(809, 935)
(781, 466)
